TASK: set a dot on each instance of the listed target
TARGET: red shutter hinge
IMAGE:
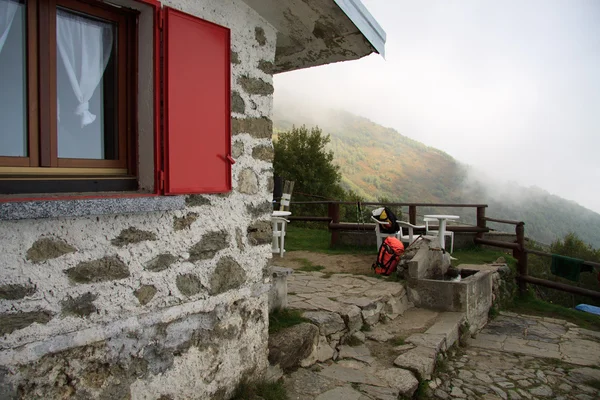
(161, 18)
(231, 160)
(161, 178)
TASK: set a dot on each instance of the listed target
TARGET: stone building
(135, 187)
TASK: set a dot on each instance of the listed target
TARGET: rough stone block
(189, 284)
(255, 86)
(328, 322)
(396, 306)
(260, 209)
(16, 291)
(400, 380)
(234, 57)
(209, 245)
(248, 182)
(266, 67)
(448, 324)
(227, 275)
(132, 235)
(237, 149)
(290, 346)
(259, 128)
(48, 248)
(352, 318)
(433, 341)
(80, 306)
(104, 269)
(420, 360)
(371, 315)
(321, 352)
(145, 294)
(263, 152)
(160, 262)
(237, 103)
(360, 353)
(19, 320)
(259, 35)
(260, 232)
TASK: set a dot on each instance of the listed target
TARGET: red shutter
(196, 108)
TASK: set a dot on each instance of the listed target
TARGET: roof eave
(365, 22)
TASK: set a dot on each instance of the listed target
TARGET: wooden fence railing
(335, 225)
(518, 247)
(520, 253)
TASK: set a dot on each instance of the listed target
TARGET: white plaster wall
(118, 308)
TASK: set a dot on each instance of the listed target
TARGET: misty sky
(509, 87)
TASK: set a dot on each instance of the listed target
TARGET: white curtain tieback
(86, 116)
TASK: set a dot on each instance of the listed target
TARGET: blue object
(588, 309)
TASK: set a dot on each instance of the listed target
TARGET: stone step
(438, 338)
(448, 324)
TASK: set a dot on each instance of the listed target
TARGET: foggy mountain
(379, 163)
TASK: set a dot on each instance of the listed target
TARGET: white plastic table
(279, 223)
(442, 229)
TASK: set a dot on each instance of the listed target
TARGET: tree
(301, 156)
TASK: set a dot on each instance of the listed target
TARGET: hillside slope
(379, 163)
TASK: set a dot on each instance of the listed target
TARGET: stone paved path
(371, 344)
(499, 375)
(541, 337)
(347, 294)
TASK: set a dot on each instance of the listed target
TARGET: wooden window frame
(42, 162)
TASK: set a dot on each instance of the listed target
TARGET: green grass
(318, 241)
(421, 392)
(281, 319)
(260, 390)
(478, 255)
(441, 366)
(529, 304)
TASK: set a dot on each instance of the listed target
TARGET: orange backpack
(389, 255)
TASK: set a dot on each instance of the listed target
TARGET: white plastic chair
(435, 232)
(410, 228)
(279, 224)
(382, 235)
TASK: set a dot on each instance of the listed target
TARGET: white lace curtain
(8, 8)
(84, 46)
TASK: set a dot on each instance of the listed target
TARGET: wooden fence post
(521, 257)
(412, 214)
(481, 220)
(333, 211)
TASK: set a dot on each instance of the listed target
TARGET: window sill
(13, 207)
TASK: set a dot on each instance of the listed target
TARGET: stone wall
(154, 304)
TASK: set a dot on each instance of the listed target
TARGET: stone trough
(471, 295)
(428, 286)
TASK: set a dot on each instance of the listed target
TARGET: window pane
(86, 79)
(13, 107)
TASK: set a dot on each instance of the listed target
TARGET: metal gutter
(365, 22)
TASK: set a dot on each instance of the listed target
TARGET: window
(112, 97)
(67, 111)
